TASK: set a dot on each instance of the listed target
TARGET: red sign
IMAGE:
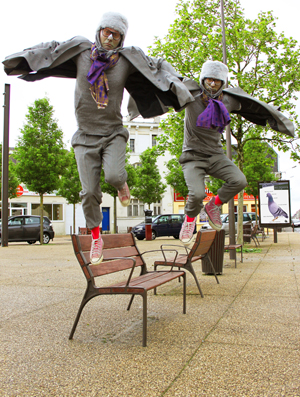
(20, 191)
(209, 195)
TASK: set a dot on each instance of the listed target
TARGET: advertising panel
(274, 204)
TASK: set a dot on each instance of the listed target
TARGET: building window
(157, 208)
(154, 140)
(132, 145)
(17, 208)
(135, 208)
(53, 211)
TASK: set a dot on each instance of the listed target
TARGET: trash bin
(216, 254)
(148, 224)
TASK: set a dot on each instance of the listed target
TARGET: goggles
(107, 32)
(216, 81)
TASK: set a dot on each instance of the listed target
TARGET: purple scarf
(214, 116)
(97, 76)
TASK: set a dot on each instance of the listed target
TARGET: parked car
(162, 225)
(247, 217)
(27, 228)
(296, 222)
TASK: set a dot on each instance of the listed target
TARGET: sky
(23, 26)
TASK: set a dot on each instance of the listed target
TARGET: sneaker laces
(188, 229)
(96, 247)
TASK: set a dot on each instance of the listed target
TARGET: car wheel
(176, 237)
(140, 238)
(46, 238)
(31, 242)
(153, 235)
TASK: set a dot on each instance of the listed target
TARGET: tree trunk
(115, 215)
(41, 218)
(240, 217)
(74, 210)
(256, 221)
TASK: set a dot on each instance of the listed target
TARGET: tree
(257, 167)
(173, 132)
(40, 153)
(149, 187)
(69, 184)
(13, 181)
(112, 191)
(262, 62)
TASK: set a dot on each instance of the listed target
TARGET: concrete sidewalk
(241, 339)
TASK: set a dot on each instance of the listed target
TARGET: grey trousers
(92, 152)
(219, 166)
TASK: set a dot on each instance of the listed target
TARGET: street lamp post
(228, 147)
(5, 159)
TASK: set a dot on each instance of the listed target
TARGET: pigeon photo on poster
(274, 203)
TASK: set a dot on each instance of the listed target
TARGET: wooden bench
(199, 250)
(249, 233)
(234, 247)
(120, 253)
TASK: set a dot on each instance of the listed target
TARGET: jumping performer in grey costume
(102, 70)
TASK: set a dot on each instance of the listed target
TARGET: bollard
(148, 224)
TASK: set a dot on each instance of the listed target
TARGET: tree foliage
(149, 186)
(261, 61)
(69, 184)
(40, 152)
(172, 139)
(258, 167)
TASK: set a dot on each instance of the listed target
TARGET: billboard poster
(274, 204)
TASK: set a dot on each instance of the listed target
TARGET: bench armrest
(174, 245)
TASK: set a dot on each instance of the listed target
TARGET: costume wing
(260, 113)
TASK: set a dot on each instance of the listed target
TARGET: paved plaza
(241, 339)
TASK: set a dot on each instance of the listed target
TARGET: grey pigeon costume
(101, 138)
(203, 153)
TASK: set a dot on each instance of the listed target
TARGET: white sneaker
(124, 195)
(213, 212)
(96, 255)
(187, 231)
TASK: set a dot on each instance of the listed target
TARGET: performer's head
(111, 31)
(213, 77)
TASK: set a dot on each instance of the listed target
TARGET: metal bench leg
(192, 271)
(144, 319)
(184, 293)
(89, 294)
(130, 302)
(212, 266)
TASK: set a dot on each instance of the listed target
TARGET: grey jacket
(154, 88)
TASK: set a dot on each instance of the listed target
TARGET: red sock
(95, 232)
(189, 219)
(218, 201)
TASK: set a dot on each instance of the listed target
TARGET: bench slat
(114, 266)
(110, 241)
(149, 281)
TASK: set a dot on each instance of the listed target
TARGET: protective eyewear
(106, 33)
(216, 81)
